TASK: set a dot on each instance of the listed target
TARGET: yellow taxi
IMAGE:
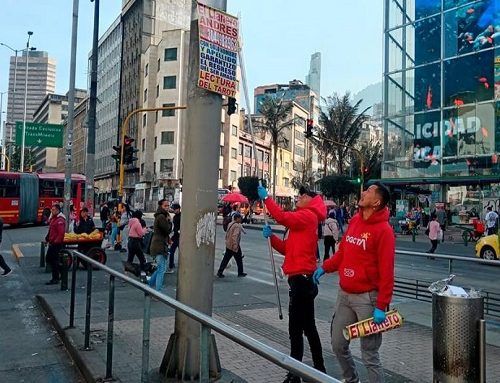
(488, 248)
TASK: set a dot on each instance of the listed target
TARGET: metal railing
(418, 289)
(207, 323)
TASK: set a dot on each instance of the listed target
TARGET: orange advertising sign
(218, 33)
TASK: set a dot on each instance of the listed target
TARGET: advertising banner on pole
(218, 33)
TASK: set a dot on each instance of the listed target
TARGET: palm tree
(340, 122)
(275, 112)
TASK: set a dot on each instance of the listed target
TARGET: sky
(279, 37)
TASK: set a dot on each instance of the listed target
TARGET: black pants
(301, 319)
(434, 243)
(3, 264)
(135, 248)
(329, 242)
(227, 256)
(173, 247)
(492, 230)
(53, 260)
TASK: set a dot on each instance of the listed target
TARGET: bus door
(28, 199)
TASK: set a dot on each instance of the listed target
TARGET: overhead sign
(218, 34)
(43, 135)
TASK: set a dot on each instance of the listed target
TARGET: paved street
(247, 304)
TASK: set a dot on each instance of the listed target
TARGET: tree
(29, 159)
(340, 122)
(305, 176)
(275, 112)
(372, 157)
(337, 186)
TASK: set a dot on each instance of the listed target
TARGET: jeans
(124, 237)
(352, 308)
(301, 319)
(53, 260)
(173, 247)
(156, 280)
(227, 256)
(114, 233)
(135, 248)
(329, 243)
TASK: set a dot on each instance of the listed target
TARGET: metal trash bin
(456, 339)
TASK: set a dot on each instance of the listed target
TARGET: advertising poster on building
(218, 51)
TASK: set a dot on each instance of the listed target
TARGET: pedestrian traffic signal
(231, 106)
(118, 155)
(129, 155)
(309, 128)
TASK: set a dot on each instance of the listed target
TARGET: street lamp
(25, 101)
(2, 141)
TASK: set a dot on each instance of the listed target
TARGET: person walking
(365, 263)
(104, 215)
(339, 214)
(299, 249)
(491, 219)
(331, 234)
(136, 232)
(114, 229)
(124, 227)
(6, 269)
(441, 217)
(434, 233)
(159, 244)
(55, 239)
(175, 237)
(233, 248)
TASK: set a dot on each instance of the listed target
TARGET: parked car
(488, 247)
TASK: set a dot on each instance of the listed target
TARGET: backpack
(226, 221)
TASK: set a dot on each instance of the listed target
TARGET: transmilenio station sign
(44, 135)
(218, 33)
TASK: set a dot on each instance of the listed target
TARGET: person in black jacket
(175, 237)
(85, 225)
(3, 264)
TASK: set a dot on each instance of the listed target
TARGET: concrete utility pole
(92, 121)
(71, 115)
(198, 224)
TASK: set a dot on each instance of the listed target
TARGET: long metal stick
(249, 115)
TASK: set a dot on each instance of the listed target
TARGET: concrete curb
(67, 340)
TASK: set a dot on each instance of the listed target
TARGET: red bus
(28, 197)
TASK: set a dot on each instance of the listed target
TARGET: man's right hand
(267, 231)
(261, 190)
(318, 274)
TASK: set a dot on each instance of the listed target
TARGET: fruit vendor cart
(88, 244)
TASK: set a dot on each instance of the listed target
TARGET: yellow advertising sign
(218, 33)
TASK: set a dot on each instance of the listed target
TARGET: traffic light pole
(124, 133)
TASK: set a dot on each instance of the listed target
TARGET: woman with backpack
(159, 244)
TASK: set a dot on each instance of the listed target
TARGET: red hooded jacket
(57, 228)
(299, 248)
(365, 259)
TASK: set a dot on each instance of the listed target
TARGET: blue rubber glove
(261, 190)
(378, 315)
(267, 231)
(317, 275)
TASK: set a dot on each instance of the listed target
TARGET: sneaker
(170, 271)
(220, 275)
(52, 282)
(6, 272)
(242, 275)
(291, 378)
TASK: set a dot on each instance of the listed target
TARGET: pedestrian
(6, 269)
(299, 249)
(136, 232)
(365, 264)
(491, 219)
(114, 229)
(85, 225)
(124, 227)
(104, 215)
(159, 244)
(233, 248)
(339, 214)
(55, 239)
(331, 234)
(441, 217)
(175, 236)
(433, 232)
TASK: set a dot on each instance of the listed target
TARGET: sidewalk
(406, 352)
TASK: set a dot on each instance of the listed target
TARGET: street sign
(218, 35)
(44, 135)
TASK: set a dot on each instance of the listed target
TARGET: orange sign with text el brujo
(218, 34)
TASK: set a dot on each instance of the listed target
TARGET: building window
(170, 54)
(157, 91)
(222, 128)
(142, 169)
(146, 69)
(168, 113)
(234, 153)
(167, 138)
(233, 176)
(145, 95)
(260, 155)
(143, 144)
(240, 149)
(156, 142)
(156, 116)
(154, 167)
(159, 65)
(286, 182)
(220, 174)
(221, 153)
(144, 120)
(167, 165)
(248, 151)
(234, 130)
(287, 165)
(169, 82)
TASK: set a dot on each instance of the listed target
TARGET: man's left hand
(378, 315)
(261, 190)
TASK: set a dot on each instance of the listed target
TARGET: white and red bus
(28, 197)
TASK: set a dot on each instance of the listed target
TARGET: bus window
(9, 187)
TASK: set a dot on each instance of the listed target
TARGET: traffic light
(358, 180)
(129, 156)
(366, 170)
(118, 155)
(231, 106)
(309, 128)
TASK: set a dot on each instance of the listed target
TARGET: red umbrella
(234, 198)
(329, 203)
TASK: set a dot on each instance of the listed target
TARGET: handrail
(267, 352)
(450, 257)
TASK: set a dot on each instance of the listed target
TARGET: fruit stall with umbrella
(235, 198)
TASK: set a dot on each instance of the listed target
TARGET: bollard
(465, 237)
(63, 261)
(413, 234)
(42, 254)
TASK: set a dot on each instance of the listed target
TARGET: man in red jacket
(365, 262)
(299, 249)
(55, 238)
